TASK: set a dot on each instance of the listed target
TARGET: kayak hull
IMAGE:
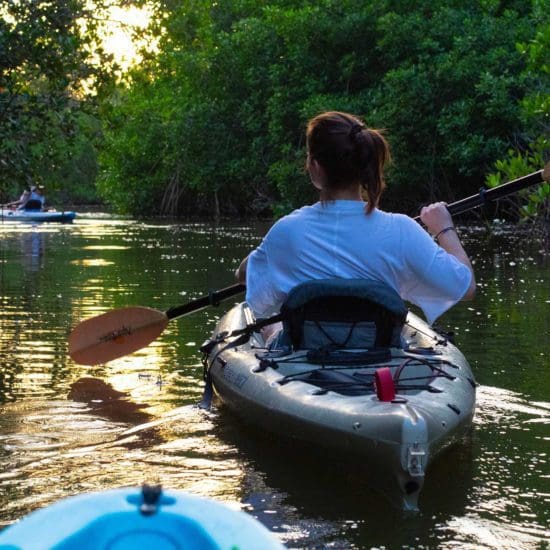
(116, 519)
(397, 439)
(37, 216)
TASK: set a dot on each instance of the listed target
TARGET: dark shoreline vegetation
(211, 122)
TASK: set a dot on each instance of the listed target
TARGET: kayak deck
(337, 405)
(130, 518)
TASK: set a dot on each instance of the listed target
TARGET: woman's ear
(316, 173)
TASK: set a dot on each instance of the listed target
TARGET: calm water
(65, 428)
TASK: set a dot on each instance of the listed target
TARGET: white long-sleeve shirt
(338, 239)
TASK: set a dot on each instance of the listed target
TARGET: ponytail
(372, 153)
(350, 153)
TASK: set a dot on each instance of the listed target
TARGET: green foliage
(217, 119)
(532, 148)
(131, 180)
(46, 126)
(214, 121)
(518, 164)
(450, 98)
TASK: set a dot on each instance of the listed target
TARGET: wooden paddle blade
(115, 334)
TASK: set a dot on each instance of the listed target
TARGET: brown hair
(349, 153)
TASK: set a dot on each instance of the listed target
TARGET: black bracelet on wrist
(450, 228)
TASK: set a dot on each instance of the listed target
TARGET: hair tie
(355, 129)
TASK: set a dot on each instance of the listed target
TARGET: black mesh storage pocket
(340, 334)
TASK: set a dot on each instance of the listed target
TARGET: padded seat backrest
(343, 313)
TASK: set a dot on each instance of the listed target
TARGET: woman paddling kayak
(345, 234)
(352, 370)
(32, 198)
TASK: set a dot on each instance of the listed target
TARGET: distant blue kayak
(64, 216)
(124, 519)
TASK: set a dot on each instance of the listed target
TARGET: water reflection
(65, 428)
(290, 479)
(32, 250)
(106, 402)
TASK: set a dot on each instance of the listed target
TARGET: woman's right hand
(436, 217)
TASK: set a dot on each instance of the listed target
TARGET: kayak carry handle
(151, 497)
(384, 384)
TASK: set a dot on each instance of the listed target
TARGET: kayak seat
(343, 313)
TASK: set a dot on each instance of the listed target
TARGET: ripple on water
(474, 532)
(501, 407)
(506, 511)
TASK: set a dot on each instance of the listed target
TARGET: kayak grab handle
(384, 385)
(150, 499)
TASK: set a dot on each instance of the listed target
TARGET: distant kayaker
(345, 235)
(36, 199)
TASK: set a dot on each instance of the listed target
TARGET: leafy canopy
(47, 74)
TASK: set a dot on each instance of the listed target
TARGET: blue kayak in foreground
(64, 216)
(132, 518)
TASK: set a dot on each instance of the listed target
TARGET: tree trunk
(216, 205)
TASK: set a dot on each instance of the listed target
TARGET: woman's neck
(352, 193)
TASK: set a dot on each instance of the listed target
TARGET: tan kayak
(395, 401)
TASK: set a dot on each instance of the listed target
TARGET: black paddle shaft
(487, 195)
(213, 299)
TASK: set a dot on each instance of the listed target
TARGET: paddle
(487, 195)
(123, 331)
